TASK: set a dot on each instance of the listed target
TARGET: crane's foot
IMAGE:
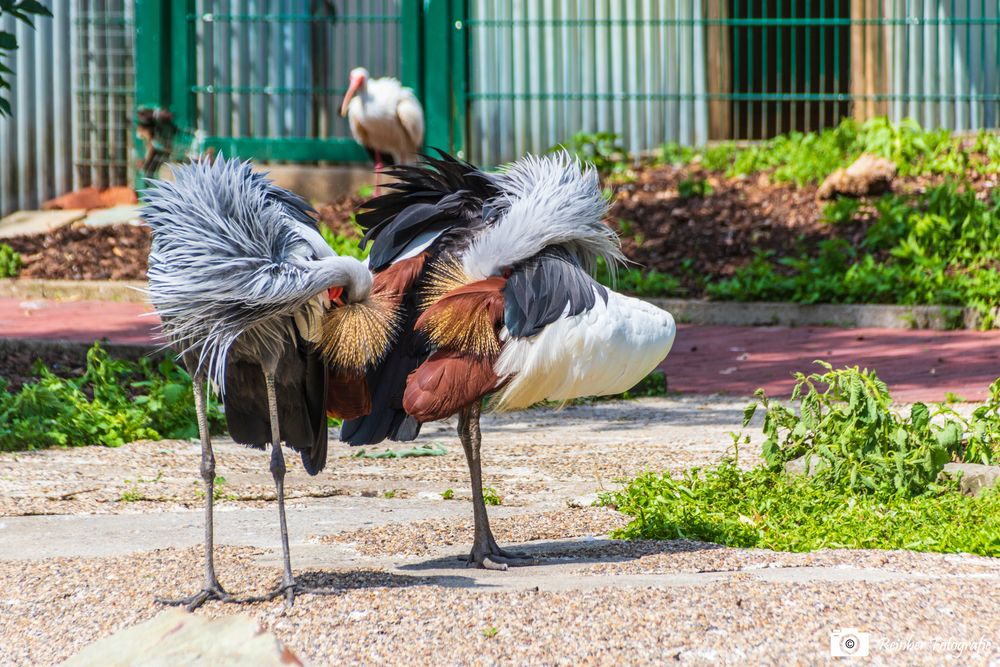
(192, 602)
(495, 558)
(288, 591)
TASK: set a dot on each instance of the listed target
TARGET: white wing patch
(605, 350)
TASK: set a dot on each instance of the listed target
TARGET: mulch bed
(79, 252)
(17, 366)
(688, 238)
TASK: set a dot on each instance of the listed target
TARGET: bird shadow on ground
(619, 416)
(576, 551)
(328, 583)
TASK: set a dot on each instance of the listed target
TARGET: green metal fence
(698, 70)
(264, 78)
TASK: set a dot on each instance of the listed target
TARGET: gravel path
(399, 594)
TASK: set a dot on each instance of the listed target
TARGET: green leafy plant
(114, 402)
(344, 244)
(491, 497)
(675, 154)
(448, 494)
(640, 282)
(694, 187)
(840, 211)
(600, 149)
(21, 10)
(490, 632)
(10, 262)
(843, 423)
(943, 248)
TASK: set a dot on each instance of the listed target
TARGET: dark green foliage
(875, 484)
(22, 10)
(601, 149)
(113, 403)
(943, 248)
(640, 282)
(841, 211)
(654, 384)
(694, 187)
(10, 262)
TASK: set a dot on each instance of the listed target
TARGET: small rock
(586, 500)
(869, 175)
(975, 477)
(177, 637)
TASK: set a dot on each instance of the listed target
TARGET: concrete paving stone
(21, 223)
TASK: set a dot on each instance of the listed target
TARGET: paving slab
(77, 321)
(37, 222)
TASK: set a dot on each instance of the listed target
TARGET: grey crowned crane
(492, 274)
(385, 118)
(242, 281)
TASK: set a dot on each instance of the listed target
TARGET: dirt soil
(689, 238)
(17, 367)
(79, 252)
(693, 237)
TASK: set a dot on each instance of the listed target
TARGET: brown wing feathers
(466, 319)
(463, 325)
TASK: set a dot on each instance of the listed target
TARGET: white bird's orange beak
(356, 82)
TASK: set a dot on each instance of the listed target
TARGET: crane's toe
(499, 559)
(192, 602)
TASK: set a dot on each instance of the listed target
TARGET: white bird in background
(386, 118)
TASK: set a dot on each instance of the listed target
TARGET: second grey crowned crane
(242, 281)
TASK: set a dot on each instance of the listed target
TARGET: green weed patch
(113, 403)
(875, 484)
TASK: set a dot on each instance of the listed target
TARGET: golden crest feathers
(357, 335)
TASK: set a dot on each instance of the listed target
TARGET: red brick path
(918, 365)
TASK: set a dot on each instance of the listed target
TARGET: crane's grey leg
(278, 472)
(212, 590)
(486, 553)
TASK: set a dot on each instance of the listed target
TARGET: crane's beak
(351, 91)
(336, 295)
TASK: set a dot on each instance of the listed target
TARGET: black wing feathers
(449, 194)
(546, 288)
(301, 385)
(388, 383)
